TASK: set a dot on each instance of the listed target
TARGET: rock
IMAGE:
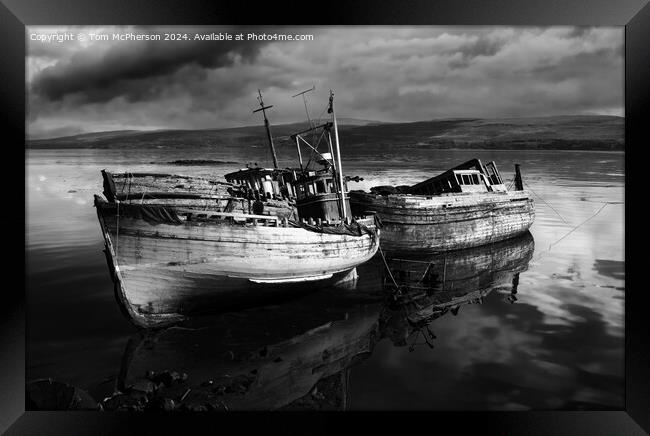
(159, 403)
(212, 407)
(197, 408)
(166, 377)
(121, 402)
(168, 404)
(219, 390)
(146, 386)
(175, 391)
(139, 396)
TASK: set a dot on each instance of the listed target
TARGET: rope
(575, 228)
(579, 225)
(387, 268)
(544, 201)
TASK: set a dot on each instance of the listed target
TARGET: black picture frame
(16, 14)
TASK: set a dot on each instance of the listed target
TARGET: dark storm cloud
(127, 69)
(379, 73)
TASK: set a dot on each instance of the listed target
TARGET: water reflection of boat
(292, 355)
(429, 287)
(466, 206)
(168, 259)
(298, 354)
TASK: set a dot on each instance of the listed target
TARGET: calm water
(560, 345)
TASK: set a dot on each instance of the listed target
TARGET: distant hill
(584, 132)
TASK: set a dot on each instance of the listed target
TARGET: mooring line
(579, 225)
(538, 196)
(388, 269)
(574, 229)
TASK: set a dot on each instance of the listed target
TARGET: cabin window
(311, 189)
(320, 187)
(300, 191)
(466, 179)
(475, 179)
(460, 179)
(330, 185)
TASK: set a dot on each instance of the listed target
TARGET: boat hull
(164, 272)
(447, 222)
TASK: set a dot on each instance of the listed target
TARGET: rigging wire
(605, 204)
(552, 208)
(390, 274)
(579, 225)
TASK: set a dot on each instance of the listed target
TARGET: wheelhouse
(318, 196)
(471, 176)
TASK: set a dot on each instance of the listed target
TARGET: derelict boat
(165, 259)
(466, 206)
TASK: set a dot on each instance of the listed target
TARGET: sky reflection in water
(560, 345)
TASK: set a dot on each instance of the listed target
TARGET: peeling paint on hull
(447, 222)
(164, 272)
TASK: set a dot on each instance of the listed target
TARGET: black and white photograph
(325, 218)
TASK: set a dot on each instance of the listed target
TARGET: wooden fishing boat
(466, 206)
(167, 259)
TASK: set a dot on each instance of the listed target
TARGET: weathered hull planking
(163, 271)
(137, 185)
(171, 190)
(447, 222)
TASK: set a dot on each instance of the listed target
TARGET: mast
(335, 171)
(304, 100)
(268, 129)
(338, 156)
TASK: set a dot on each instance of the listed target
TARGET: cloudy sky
(378, 73)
